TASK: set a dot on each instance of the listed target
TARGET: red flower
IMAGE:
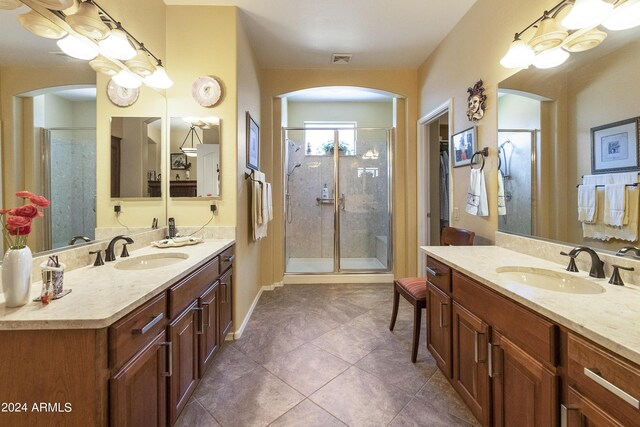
(39, 200)
(18, 221)
(4, 211)
(24, 194)
(28, 211)
(19, 231)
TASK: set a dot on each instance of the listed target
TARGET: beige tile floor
(323, 355)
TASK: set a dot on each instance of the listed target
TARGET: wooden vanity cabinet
(209, 340)
(470, 369)
(226, 291)
(578, 411)
(439, 327)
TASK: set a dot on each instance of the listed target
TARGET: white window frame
(315, 148)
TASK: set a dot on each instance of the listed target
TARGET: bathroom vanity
(521, 355)
(127, 347)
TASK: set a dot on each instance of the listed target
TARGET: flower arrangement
(329, 147)
(16, 222)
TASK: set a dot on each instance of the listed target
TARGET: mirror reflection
(547, 120)
(136, 152)
(194, 157)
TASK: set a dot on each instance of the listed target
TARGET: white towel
(269, 202)
(611, 178)
(259, 227)
(614, 204)
(477, 194)
(502, 205)
(628, 232)
(587, 203)
(264, 204)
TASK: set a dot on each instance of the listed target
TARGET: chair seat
(414, 286)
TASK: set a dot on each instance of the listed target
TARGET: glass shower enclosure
(337, 199)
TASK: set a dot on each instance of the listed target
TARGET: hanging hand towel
(502, 205)
(269, 202)
(265, 200)
(587, 203)
(614, 204)
(477, 194)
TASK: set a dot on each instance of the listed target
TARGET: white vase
(16, 276)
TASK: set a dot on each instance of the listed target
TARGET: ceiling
(379, 33)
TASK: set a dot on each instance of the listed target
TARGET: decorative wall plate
(206, 91)
(122, 96)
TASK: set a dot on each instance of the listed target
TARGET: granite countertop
(102, 295)
(610, 319)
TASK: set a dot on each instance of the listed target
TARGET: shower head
(295, 147)
(297, 165)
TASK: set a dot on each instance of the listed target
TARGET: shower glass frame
(390, 143)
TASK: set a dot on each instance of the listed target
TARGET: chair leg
(396, 301)
(417, 319)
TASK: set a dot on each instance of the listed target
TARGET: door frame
(423, 174)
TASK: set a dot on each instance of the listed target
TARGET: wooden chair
(414, 289)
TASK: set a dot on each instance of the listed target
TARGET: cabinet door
(470, 375)
(210, 337)
(226, 307)
(183, 333)
(581, 412)
(139, 389)
(525, 393)
(439, 327)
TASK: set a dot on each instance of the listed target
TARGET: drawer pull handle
(476, 351)
(225, 292)
(170, 357)
(229, 258)
(206, 305)
(146, 328)
(564, 414)
(433, 273)
(200, 315)
(490, 359)
(442, 305)
(594, 374)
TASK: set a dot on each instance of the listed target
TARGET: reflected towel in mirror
(587, 203)
(502, 205)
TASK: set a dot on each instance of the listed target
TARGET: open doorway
(434, 183)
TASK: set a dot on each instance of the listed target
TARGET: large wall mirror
(136, 157)
(545, 124)
(194, 157)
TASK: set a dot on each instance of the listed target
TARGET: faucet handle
(125, 252)
(615, 276)
(572, 262)
(98, 260)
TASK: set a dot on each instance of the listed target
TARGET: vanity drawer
(191, 287)
(538, 337)
(606, 379)
(226, 259)
(136, 330)
(439, 274)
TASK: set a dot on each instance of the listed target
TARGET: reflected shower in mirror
(553, 113)
(136, 152)
(194, 157)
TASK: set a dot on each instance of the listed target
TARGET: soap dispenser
(325, 192)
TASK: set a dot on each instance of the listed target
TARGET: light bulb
(77, 47)
(117, 45)
(623, 17)
(519, 55)
(587, 13)
(159, 79)
(127, 79)
(550, 58)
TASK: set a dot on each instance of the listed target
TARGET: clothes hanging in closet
(444, 186)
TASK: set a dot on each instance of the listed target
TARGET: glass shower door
(364, 203)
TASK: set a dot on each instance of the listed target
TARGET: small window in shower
(318, 138)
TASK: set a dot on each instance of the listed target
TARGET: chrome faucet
(109, 253)
(627, 249)
(74, 239)
(597, 265)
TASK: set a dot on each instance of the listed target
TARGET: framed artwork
(614, 147)
(463, 145)
(253, 143)
(178, 161)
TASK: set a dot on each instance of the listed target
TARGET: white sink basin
(147, 262)
(549, 280)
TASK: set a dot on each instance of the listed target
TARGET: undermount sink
(549, 280)
(147, 262)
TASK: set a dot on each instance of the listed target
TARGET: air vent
(341, 58)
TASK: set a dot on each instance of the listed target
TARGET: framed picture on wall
(253, 143)
(614, 147)
(178, 161)
(463, 145)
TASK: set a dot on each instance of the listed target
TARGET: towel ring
(484, 152)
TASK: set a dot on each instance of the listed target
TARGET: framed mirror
(549, 117)
(136, 157)
(194, 157)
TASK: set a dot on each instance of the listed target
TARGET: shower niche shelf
(330, 201)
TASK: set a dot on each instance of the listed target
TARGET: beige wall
(277, 82)
(470, 52)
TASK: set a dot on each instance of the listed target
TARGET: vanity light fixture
(40, 26)
(10, 4)
(576, 32)
(140, 64)
(190, 151)
(159, 79)
(87, 21)
(127, 79)
(54, 4)
(104, 66)
(117, 45)
(77, 47)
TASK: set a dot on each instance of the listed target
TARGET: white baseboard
(305, 279)
(238, 333)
